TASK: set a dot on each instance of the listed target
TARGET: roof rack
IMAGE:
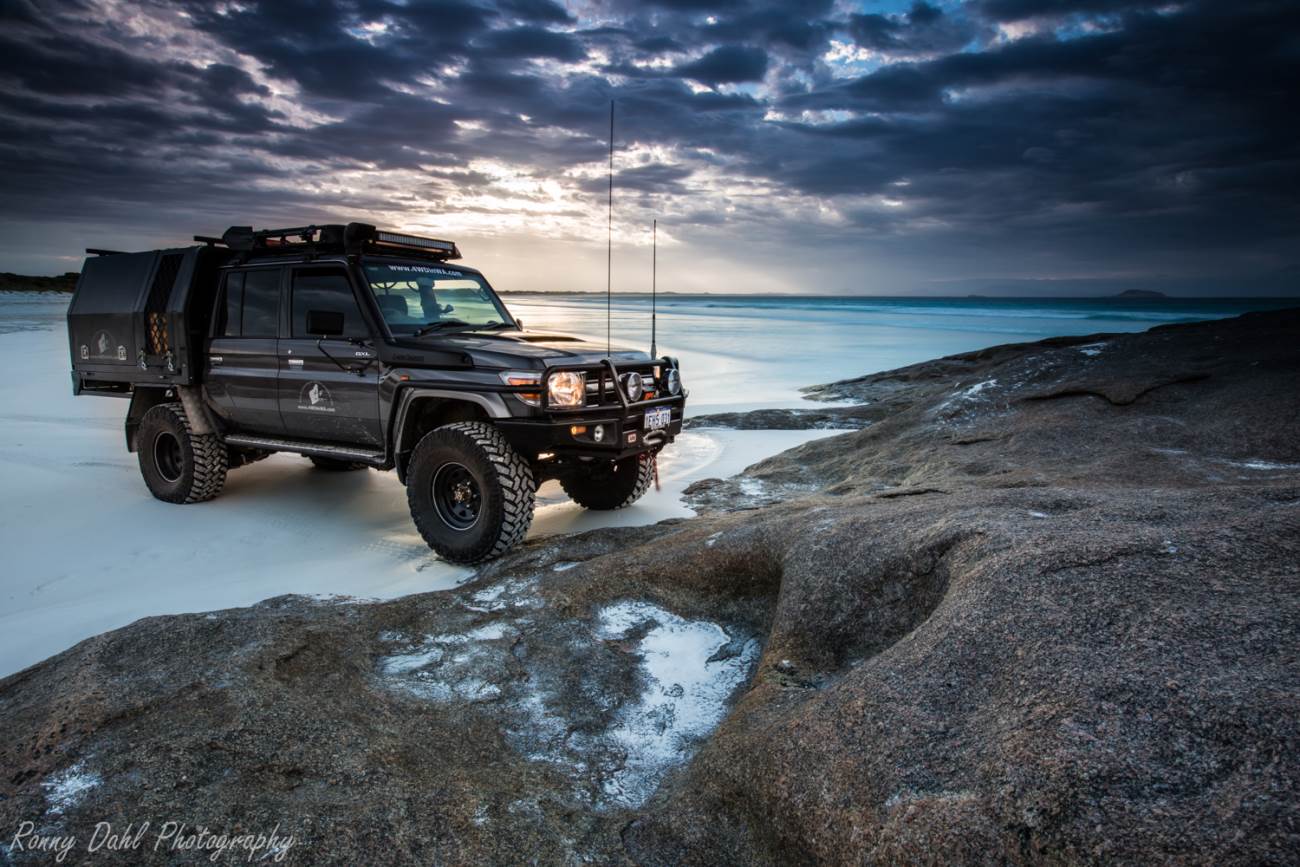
(352, 238)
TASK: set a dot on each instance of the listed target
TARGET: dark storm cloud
(658, 45)
(652, 178)
(540, 11)
(48, 64)
(1018, 10)
(317, 44)
(1123, 127)
(528, 42)
(802, 25)
(697, 6)
(730, 64)
(1115, 135)
(925, 28)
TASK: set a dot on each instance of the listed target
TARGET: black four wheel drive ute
(360, 348)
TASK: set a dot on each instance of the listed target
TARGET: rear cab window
(249, 304)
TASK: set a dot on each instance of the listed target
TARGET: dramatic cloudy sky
(827, 146)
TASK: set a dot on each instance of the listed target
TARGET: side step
(320, 450)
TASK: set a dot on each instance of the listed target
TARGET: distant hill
(1139, 293)
(23, 283)
(1278, 283)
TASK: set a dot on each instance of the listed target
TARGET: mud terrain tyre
(470, 492)
(334, 465)
(178, 465)
(611, 484)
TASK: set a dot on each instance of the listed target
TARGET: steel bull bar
(625, 416)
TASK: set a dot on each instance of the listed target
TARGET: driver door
(329, 387)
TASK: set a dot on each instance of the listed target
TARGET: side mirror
(520, 323)
(324, 323)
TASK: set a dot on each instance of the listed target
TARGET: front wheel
(178, 465)
(470, 493)
(611, 484)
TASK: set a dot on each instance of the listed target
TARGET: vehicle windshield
(430, 298)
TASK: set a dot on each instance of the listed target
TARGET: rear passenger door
(329, 388)
(243, 362)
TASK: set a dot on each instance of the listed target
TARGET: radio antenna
(654, 265)
(609, 244)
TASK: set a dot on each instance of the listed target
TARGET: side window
(261, 303)
(326, 291)
(232, 301)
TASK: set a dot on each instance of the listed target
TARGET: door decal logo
(315, 397)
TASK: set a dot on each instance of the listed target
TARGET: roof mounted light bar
(396, 240)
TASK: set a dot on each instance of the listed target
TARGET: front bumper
(533, 436)
(560, 430)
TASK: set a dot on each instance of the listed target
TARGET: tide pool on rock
(615, 745)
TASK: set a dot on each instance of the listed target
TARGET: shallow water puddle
(615, 745)
(691, 668)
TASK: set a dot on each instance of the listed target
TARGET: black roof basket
(333, 237)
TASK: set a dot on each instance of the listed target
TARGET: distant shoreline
(62, 284)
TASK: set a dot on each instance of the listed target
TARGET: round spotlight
(632, 386)
(673, 382)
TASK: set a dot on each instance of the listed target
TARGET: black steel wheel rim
(167, 456)
(456, 496)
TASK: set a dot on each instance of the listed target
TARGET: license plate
(657, 418)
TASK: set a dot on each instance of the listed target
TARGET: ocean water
(748, 351)
(745, 351)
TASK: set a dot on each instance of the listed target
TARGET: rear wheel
(334, 465)
(611, 484)
(470, 492)
(178, 465)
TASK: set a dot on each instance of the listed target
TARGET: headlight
(633, 387)
(673, 382)
(524, 377)
(566, 388)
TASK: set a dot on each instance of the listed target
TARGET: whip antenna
(609, 245)
(654, 263)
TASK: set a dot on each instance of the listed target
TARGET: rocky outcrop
(1044, 610)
